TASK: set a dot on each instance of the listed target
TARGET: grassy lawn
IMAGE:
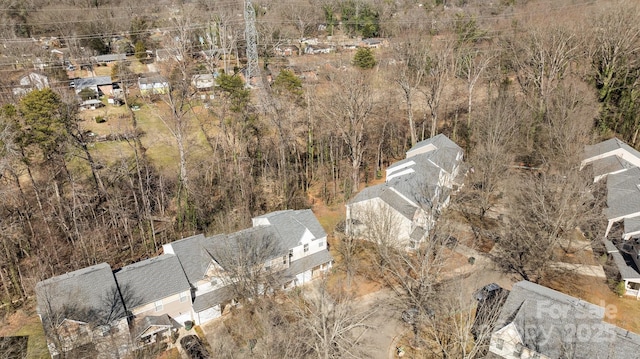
(102, 70)
(137, 67)
(22, 324)
(111, 152)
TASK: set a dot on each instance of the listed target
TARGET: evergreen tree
(364, 58)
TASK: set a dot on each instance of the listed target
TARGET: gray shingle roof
(151, 280)
(553, 324)
(609, 164)
(213, 298)
(87, 295)
(439, 141)
(92, 81)
(418, 233)
(256, 245)
(306, 263)
(290, 226)
(152, 78)
(161, 321)
(631, 224)
(623, 193)
(368, 193)
(417, 186)
(110, 57)
(625, 266)
(195, 255)
(395, 201)
(608, 146)
(610, 247)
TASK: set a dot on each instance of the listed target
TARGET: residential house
(101, 85)
(194, 280)
(626, 257)
(373, 43)
(619, 163)
(414, 192)
(286, 50)
(290, 245)
(319, 49)
(109, 58)
(83, 314)
(153, 84)
(538, 322)
(156, 287)
(305, 241)
(209, 292)
(349, 46)
(30, 82)
(91, 104)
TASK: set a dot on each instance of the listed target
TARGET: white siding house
(619, 163)
(414, 192)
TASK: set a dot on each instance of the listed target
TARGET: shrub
(620, 289)
(100, 119)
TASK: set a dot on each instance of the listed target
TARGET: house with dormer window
(414, 192)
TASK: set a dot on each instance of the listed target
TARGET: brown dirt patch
(623, 312)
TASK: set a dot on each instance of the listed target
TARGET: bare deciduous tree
(544, 213)
(332, 324)
(411, 70)
(439, 67)
(348, 109)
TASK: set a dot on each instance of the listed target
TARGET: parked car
(194, 347)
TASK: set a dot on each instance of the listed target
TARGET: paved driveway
(386, 323)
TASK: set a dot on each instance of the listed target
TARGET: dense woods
(516, 83)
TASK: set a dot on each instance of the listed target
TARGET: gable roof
(151, 324)
(110, 57)
(151, 280)
(544, 319)
(412, 183)
(608, 146)
(255, 245)
(82, 83)
(291, 225)
(153, 79)
(213, 298)
(623, 193)
(306, 263)
(88, 295)
(439, 141)
(195, 254)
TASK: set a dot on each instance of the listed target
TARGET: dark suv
(194, 347)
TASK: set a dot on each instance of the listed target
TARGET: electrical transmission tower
(251, 37)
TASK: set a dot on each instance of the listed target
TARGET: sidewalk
(581, 269)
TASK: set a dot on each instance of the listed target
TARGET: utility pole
(251, 37)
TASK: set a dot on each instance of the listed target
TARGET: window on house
(321, 244)
(499, 343)
(158, 305)
(518, 351)
(306, 247)
(183, 296)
